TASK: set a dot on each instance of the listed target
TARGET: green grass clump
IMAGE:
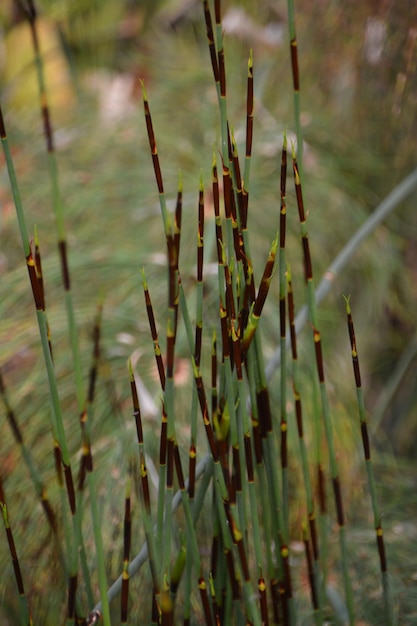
(212, 504)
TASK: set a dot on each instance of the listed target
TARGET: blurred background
(358, 102)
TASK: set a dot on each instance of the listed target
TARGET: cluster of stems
(242, 475)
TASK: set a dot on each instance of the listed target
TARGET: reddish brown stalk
(249, 459)
(152, 142)
(136, 409)
(299, 415)
(321, 484)
(335, 479)
(246, 436)
(381, 549)
(232, 576)
(32, 18)
(214, 553)
(265, 282)
(249, 110)
(294, 64)
(319, 355)
(17, 433)
(236, 353)
(257, 441)
(205, 601)
(276, 600)
(242, 200)
(62, 245)
(39, 275)
(72, 590)
(154, 333)
(237, 239)
(124, 597)
(173, 273)
(37, 295)
(48, 132)
(313, 535)
(215, 607)
(58, 464)
(230, 207)
(139, 430)
(216, 206)
(170, 349)
(238, 179)
(285, 554)
(249, 139)
(291, 320)
(178, 467)
(221, 257)
(38, 266)
(364, 431)
(308, 268)
(10, 541)
(96, 356)
(282, 290)
(263, 601)
(225, 326)
(338, 501)
(10, 414)
(127, 528)
(204, 411)
(310, 571)
(217, 12)
(200, 259)
(260, 299)
(70, 487)
(210, 40)
(155, 609)
(237, 474)
(284, 603)
(86, 463)
(127, 534)
(264, 411)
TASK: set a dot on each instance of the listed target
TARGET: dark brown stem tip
(32, 15)
(2, 127)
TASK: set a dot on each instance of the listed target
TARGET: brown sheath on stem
(205, 602)
(310, 573)
(294, 65)
(210, 40)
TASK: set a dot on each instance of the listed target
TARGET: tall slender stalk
(328, 425)
(382, 211)
(57, 206)
(388, 601)
(296, 82)
(60, 441)
(283, 331)
(313, 555)
(24, 612)
(127, 537)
